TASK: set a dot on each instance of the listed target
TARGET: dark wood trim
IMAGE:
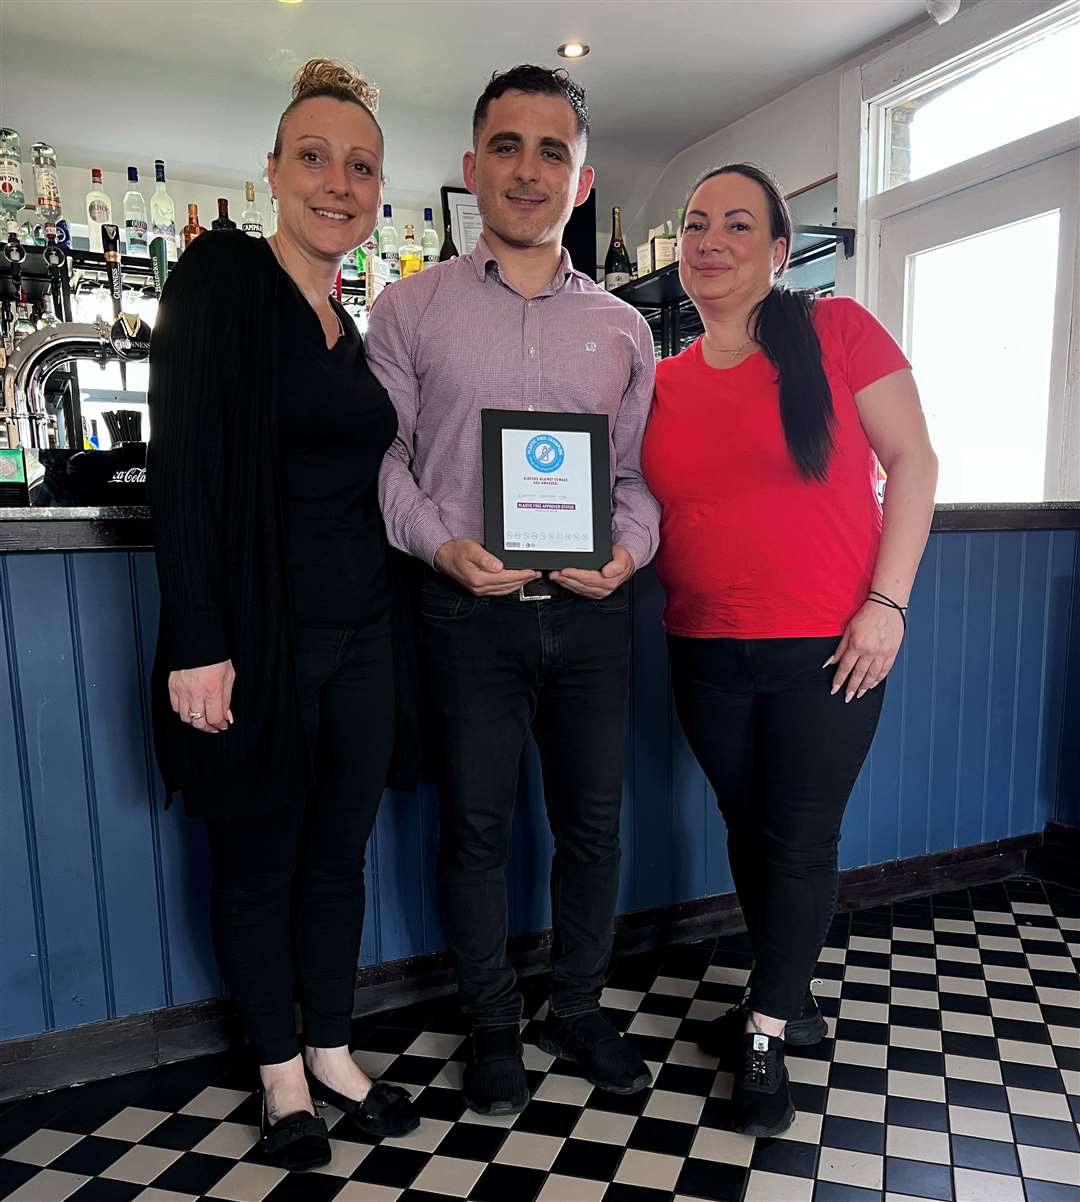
(134, 533)
(1057, 858)
(76, 534)
(1051, 515)
(59, 1058)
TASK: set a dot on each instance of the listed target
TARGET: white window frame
(909, 67)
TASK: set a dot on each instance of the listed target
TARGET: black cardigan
(213, 484)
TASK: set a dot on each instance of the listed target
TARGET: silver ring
(194, 716)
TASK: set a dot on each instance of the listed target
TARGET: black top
(336, 422)
(214, 484)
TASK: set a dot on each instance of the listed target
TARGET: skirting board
(104, 1049)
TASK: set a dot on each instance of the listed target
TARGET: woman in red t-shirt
(786, 588)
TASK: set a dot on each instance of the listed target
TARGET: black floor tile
(588, 1159)
(715, 1181)
(501, 1182)
(792, 1157)
(1045, 1133)
(662, 1136)
(918, 1179)
(918, 1113)
(854, 1135)
(101, 1189)
(306, 1187)
(90, 1156)
(989, 1155)
(548, 1118)
(193, 1173)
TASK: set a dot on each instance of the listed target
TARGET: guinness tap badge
(110, 243)
(130, 337)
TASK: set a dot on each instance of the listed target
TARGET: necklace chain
(724, 350)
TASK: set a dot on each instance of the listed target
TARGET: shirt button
(532, 304)
(531, 408)
(532, 352)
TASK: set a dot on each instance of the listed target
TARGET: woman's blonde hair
(329, 77)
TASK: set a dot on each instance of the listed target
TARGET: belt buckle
(523, 596)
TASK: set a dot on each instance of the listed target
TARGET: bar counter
(128, 527)
(103, 891)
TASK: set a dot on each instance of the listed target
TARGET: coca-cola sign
(130, 475)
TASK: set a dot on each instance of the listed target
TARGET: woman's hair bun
(326, 76)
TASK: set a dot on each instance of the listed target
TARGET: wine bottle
(449, 250)
(617, 262)
(223, 221)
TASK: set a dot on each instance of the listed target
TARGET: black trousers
(288, 888)
(782, 756)
(495, 669)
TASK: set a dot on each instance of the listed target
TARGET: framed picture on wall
(462, 213)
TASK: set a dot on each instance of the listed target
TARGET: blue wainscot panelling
(103, 892)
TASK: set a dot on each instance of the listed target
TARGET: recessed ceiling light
(290, 1)
(573, 50)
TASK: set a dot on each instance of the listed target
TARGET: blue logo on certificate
(545, 453)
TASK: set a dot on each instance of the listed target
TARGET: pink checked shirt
(458, 338)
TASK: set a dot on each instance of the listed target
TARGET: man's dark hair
(538, 81)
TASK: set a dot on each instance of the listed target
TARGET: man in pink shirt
(513, 326)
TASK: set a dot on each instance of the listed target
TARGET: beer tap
(14, 253)
(55, 257)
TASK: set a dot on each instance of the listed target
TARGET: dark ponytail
(781, 324)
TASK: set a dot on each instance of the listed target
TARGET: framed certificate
(547, 488)
(462, 213)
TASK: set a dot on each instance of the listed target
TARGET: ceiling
(200, 83)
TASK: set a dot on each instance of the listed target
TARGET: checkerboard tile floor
(952, 1073)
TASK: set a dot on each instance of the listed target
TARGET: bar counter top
(127, 527)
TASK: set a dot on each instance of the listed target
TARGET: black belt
(542, 590)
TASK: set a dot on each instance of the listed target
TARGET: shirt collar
(482, 258)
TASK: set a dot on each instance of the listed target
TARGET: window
(1026, 89)
(969, 242)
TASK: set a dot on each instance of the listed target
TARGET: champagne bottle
(449, 250)
(617, 262)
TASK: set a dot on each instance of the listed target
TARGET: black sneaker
(593, 1043)
(494, 1080)
(723, 1036)
(761, 1095)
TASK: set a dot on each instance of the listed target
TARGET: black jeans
(288, 888)
(782, 756)
(496, 668)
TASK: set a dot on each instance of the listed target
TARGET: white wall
(794, 137)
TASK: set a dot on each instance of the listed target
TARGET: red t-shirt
(749, 549)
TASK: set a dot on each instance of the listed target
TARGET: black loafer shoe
(761, 1095)
(297, 1142)
(495, 1081)
(593, 1043)
(385, 1113)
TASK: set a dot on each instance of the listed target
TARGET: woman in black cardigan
(280, 671)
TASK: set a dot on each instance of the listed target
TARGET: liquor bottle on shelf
(46, 181)
(429, 241)
(98, 209)
(388, 244)
(47, 319)
(449, 250)
(680, 221)
(251, 221)
(24, 320)
(163, 211)
(135, 216)
(12, 197)
(410, 256)
(223, 221)
(193, 229)
(617, 262)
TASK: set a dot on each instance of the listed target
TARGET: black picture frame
(492, 424)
